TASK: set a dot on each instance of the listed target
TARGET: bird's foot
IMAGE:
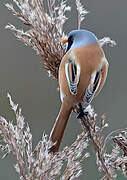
(86, 120)
(84, 114)
(80, 115)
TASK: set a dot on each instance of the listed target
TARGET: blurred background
(22, 75)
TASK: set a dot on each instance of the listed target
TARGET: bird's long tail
(60, 125)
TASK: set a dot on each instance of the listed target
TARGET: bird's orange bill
(64, 40)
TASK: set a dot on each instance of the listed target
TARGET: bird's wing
(93, 86)
(72, 71)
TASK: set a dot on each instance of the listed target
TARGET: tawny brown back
(89, 58)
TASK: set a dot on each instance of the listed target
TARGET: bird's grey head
(80, 38)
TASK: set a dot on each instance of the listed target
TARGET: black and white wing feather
(92, 88)
(72, 71)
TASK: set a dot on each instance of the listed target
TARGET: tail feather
(60, 125)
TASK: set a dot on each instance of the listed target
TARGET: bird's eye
(71, 39)
(70, 42)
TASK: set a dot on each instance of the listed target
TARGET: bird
(82, 74)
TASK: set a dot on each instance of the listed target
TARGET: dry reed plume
(45, 20)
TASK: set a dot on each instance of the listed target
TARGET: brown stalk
(86, 126)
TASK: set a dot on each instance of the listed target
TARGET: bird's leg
(82, 114)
